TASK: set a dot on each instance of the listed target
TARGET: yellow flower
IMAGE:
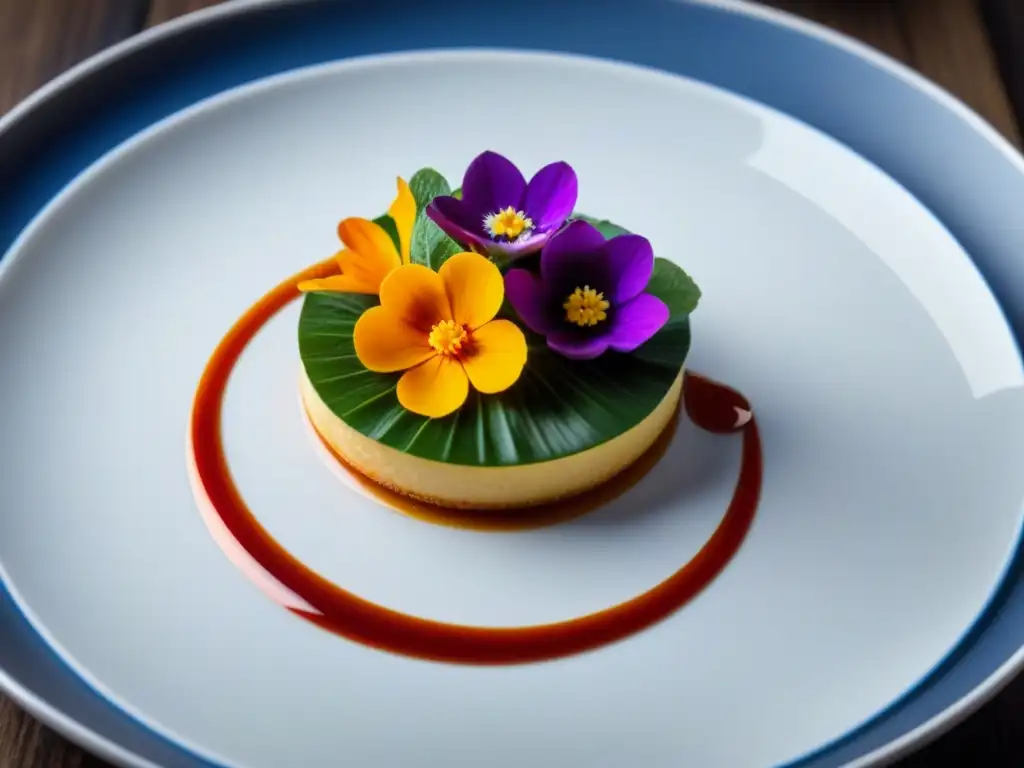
(439, 328)
(369, 254)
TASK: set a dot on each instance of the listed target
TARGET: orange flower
(439, 328)
(369, 254)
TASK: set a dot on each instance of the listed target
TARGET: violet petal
(573, 257)
(636, 321)
(551, 195)
(456, 221)
(576, 346)
(518, 248)
(492, 182)
(527, 294)
(630, 264)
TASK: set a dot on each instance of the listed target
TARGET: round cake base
(508, 487)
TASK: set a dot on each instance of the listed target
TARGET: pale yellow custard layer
(456, 485)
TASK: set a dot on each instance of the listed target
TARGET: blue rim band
(975, 191)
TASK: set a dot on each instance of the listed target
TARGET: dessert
(492, 348)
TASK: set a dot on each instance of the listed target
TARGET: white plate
(881, 368)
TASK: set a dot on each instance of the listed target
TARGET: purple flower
(499, 213)
(589, 296)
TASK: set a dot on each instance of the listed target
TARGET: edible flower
(370, 254)
(502, 215)
(439, 328)
(589, 296)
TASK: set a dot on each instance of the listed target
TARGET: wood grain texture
(39, 39)
(1004, 22)
(165, 10)
(875, 22)
(24, 743)
(945, 39)
(949, 45)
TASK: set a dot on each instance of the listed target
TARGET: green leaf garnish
(425, 185)
(557, 408)
(386, 223)
(673, 286)
(430, 245)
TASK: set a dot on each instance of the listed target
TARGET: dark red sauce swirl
(711, 406)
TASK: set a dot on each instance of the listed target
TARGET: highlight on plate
(490, 347)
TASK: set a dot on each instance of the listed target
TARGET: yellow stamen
(585, 306)
(447, 337)
(508, 223)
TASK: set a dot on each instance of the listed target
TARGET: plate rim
(927, 731)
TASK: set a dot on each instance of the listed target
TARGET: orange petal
(386, 344)
(434, 389)
(415, 294)
(474, 287)
(403, 211)
(497, 357)
(340, 284)
(370, 241)
(369, 271)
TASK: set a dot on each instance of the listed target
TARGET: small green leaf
(457, 194)
(430, 245)
(426, 184)
(605, 227)
(388, 225)
(673, 286)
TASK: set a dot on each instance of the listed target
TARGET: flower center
(447, 337)
(585, 306)
(508, 223)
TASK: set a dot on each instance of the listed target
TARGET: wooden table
(974, 48)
